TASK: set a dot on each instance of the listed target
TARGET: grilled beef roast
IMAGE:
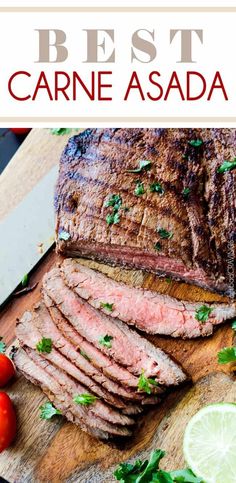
(146, 310)
(127, 348)
(175, 216)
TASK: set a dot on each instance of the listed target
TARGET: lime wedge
(210, 443)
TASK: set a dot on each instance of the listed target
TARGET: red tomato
(20, 130)
(7, 421)
(7, 370)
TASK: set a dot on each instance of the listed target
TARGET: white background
(19, 51)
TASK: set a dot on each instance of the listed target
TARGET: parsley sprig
(115, 201)
(64, 235)
(107, 306)
(227, 166)
(143, 165)
(196, 143)
(2, 346)
(47, 411)
(85, 399)
(145, 384)
(139, 189)
(202, 313)
(148, 471)
(226, 355)
(164, 233)
(106, 341)
(44, 345)
(157, 188)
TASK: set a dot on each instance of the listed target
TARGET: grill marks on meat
(94, 166)
(61, 398)
(146, 310)
(128, 348)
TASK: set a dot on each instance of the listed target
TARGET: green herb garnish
(186, 193)
(168, 279)
(157, 188)
(139, 190)
(196, 143)
(234, 325)
(59, 131)
(148, 471)
(157, 246)
(84, 355)
(48, 411)
(143, 164)
(2, 346)
(227, 166)
(44, 345)
(202, 313)
(107, 306)
(164, 233)
(113, 218)
(145, 384)
(106, 341)
(64, 235)
(115, 201)
(25, 280)
(226, 355)
(85, 399)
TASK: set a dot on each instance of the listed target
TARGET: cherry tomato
(20, 130)
(7, 421)
(7, 370)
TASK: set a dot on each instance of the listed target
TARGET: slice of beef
(29, 335)
(58, 395)
(182, 193)
(99, 407)
(127, 347)
(146, 310)
(98, 359)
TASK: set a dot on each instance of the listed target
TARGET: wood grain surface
(57, 451)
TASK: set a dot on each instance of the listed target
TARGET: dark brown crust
(94, 165)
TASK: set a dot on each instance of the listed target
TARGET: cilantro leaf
(106, 341)
(157, 246)
(59, 131)
(2, 346)
(202, 313)
(196, 143)
(185, 476)
(139, 189)
(64, 235)
(115, 201)
(157, 188)
(234, 325)
(226, 355)
(143, 164)
(85, 399)
(164, 233)
(113, 218)
(84, 355)
(107, 306)
(25, 280)
(145, 384)
(186, 193)
(44, 345)
(48, 411)
(227, 166)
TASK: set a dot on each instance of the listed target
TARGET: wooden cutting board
(57, 451)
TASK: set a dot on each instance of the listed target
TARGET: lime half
(210, 443)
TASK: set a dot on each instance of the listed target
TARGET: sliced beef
(146, 310)
(30, 330)
(58, 395)
(127, 347)
(182, 193)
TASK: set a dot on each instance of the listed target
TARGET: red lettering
(171, 85)
(155, 83)
(16, 74)
(101, 86)
(214, 85)
(77, 78)
(197, 74)
(42, 84)
(62, 89)
(134, 84)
